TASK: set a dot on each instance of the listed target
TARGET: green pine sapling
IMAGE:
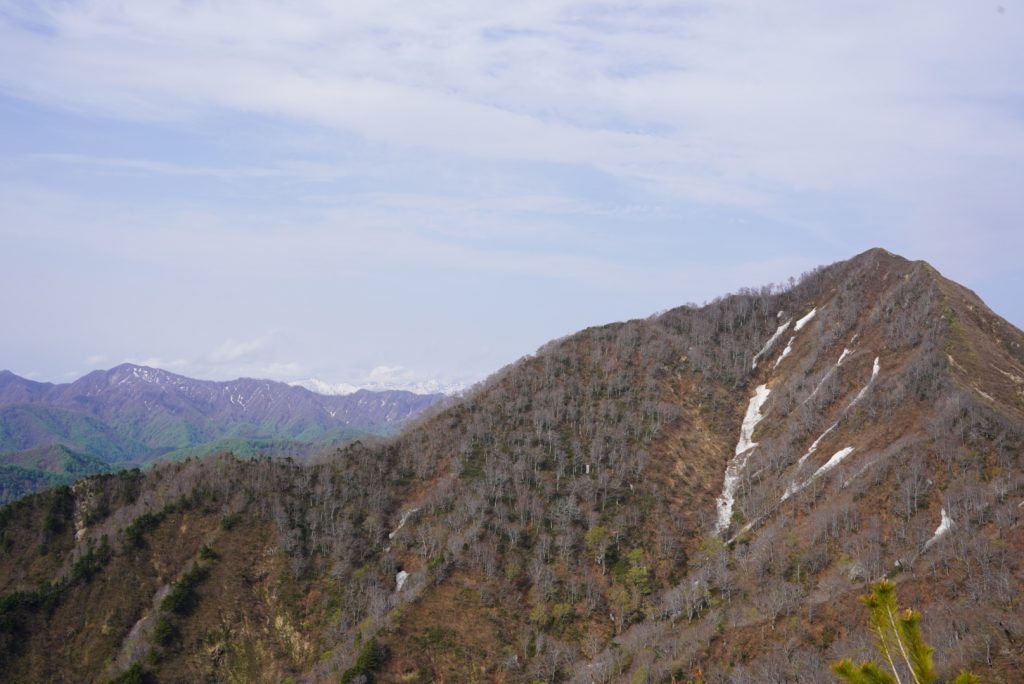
(900, 643)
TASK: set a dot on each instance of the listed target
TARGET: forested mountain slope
(131, 415)
(146, 410)
(697, 496)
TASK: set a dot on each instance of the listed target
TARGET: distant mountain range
(344, 388)
(131, 415)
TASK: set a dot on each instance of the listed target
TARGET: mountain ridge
(141, 389)
(561, 521)
(130, 414)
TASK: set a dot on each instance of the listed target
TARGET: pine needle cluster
(900, 644)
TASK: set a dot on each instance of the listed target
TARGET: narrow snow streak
(785, 352)
(842, 357)
(746, 528)
(805, 320)
(814, 446)
(751, 419)
(860, 395)
(847, 481)
(771, 341)
(401, 523)
(743, 446)
(833, 462)
(829, 465)
(944, 526)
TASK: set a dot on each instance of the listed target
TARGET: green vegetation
(229, 521)
(302, 445)
(369, 661)
(133, 534)
(164, 633)
(32, 470)
(17, 481)
(133, 675)
(20, 425)
(241, 448)
(16, 612)
(900, 644)
(58, 512)
(91, 562)
(43, 598)
(633, 572)
(183, 598)
(597, 541)
(44, 445)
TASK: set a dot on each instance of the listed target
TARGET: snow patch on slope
(814, 445)
(836, 459)
(945, 524)
(805, 320)
(401, 523)
(727, 498)
(860, 395)
(785, 352)
(771, 342)
(842, 357)
(751, 419)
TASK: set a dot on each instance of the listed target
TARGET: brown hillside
(562, 522)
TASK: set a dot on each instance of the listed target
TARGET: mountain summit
(697, 496)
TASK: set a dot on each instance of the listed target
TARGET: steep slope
(697, 496)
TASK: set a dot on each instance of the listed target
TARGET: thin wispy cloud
(306, 171)
(178, 365)
(232, 351)
(737, 93)
(332, 169)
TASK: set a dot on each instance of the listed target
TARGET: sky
(398, 193)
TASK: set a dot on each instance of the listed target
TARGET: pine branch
(889, 623)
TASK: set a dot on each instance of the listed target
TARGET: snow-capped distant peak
(320, 387)
(128, 373)
(345, 388)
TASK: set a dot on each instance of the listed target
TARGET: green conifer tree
(900, 643)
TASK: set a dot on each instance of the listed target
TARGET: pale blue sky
(392, 192)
